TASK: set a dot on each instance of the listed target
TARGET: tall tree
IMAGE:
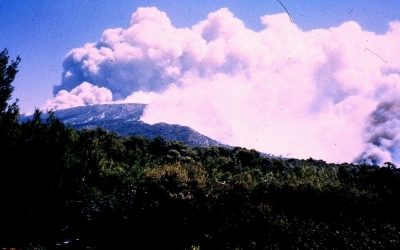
(9, 113)
(9, 137)
(7, 75)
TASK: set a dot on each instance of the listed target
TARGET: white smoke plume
(84, 94)
(281, 90)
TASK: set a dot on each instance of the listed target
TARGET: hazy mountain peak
(125, 120)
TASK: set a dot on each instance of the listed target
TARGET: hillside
(124, 120)
(93, 189)
(89, 188)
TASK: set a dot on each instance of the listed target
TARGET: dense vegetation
(58, 185)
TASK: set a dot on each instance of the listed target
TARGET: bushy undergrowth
(91, 189)
(108, 191)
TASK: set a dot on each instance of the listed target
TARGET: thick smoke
(321, 93)
(84, 94)
(383, 134)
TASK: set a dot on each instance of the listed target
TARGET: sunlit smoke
(84, 94)
(282, 90)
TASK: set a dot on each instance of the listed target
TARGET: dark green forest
(62, 188)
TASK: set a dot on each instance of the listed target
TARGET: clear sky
(321, 79)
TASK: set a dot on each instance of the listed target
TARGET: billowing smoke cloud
(383, 134)
(84, 94)
(331, 93)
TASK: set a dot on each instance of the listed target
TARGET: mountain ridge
(124, 119)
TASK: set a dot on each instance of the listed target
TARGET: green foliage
(9, 114)
(115, 192)
(7, 75)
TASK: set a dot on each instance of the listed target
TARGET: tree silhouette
(7, 75)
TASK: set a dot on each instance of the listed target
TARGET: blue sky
(326, 86)
(42, 32)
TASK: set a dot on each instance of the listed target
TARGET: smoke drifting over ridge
(332, 94)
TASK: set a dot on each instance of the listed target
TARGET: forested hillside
(62, 188)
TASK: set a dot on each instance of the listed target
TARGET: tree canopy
(8, 72)
(62, 188)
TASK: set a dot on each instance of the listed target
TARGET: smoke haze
(331, 94)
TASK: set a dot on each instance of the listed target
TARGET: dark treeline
(62, 188)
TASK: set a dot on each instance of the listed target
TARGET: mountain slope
(124, 119)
